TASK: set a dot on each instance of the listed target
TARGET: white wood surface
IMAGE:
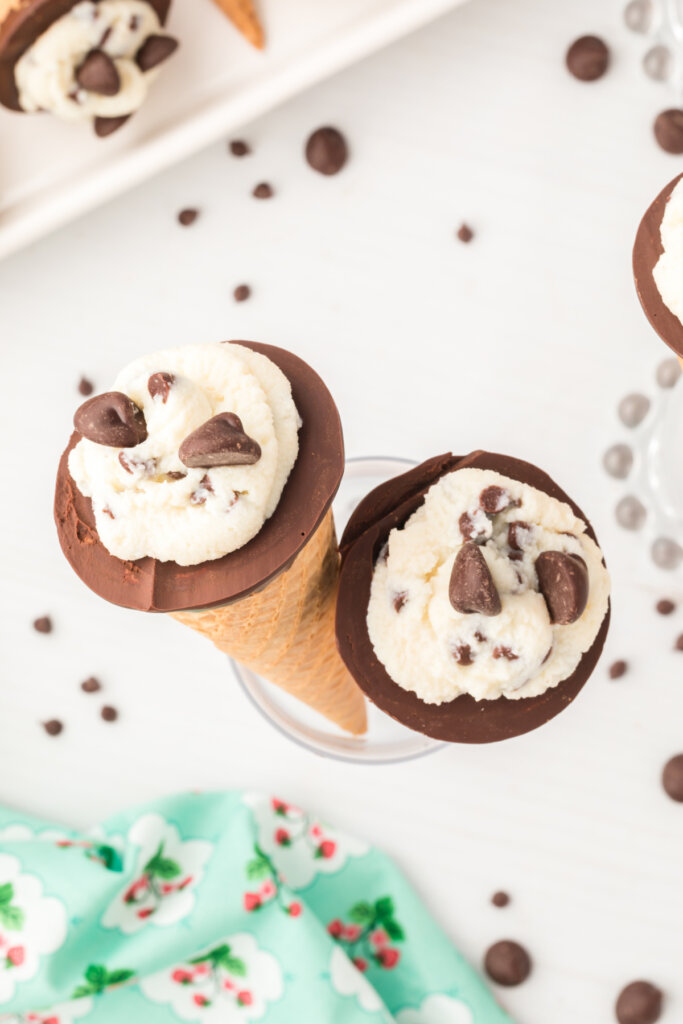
(525, 340)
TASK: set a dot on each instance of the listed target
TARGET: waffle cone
(242, 14)
(285, 632)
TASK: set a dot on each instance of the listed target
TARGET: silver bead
(618, 461)
(658, 63)
(668, 373)
(638, 15)
(666, 553)
(630, 513)
(633, 409)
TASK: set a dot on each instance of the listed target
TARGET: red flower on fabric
(283, 838)
(199, 1000)
(185, 882)
(181, 976)
(294, 909)
(245, 998)
(388, 958)
(335, 928)
(16, 956)
(352, 932)
(379, 938)
(360, 963)
(279, 806)
(326, 849)
(145, 912)
(252, 901)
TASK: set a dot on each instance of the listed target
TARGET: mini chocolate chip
(471, 587)
(516, 533)
(668, 129)
(221, 441)
(108, 512)
(241, 293)
(399, 600)
(198, 497)
(666, 606)
(469, 529)
(105, 126)
(239, 148)
(501, 651)
(187, 217)
(108, 713)
(91, 685)
(98, 73)
(479, 636)
(639, 1003)
(618, 669)
(85, 387)
(326, 151)
(154, 51)
(43, 624)
(679, 642)
(494, 499)
(53, 727)
(175, 475)
(263, 191)
(159, 385)
(587, 58)
(563, 581)
(516, 556)
(134, 23)
(463, 654)
(111, 419)
(672, 778)
(465, 233)
(507, 963)
(103, 38)
(500, 899)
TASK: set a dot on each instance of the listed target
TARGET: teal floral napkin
(219, 908)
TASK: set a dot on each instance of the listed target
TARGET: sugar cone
(242, 14)
(285, 632)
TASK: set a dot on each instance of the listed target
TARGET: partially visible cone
(285, 632)
(242, 14)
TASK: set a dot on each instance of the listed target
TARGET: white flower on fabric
(169, 869)
(31, 925)
(437, 1009)
(347, 980)
(23, 833)
(300, 846)
(231, 982)
(65, 1013)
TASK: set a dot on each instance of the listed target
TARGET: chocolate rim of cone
(151, 585)
(462, 720)
(646, 251)
(24, 24)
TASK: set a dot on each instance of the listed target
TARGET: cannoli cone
(285, 632)
(242, 14)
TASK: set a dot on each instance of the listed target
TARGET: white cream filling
(421, 643)
(140, 510)
(668, 271)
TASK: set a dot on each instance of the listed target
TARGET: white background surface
(524, 340)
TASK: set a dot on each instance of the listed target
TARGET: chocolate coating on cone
(462, 720)
(24, 24)
(646, 251)
(151, 585)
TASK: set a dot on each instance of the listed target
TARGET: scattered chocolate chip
(159, 385)
(103, 38)
(500, 899)
(465, 233)
(463, 654)
(494, 499)
(134, 23)
(105, 126)
(111, 419)
(550, 651)
(187, 217)
(666, 606)
(205, 488)
(108, 512)
(618, 669)
(91, 685)
(587, 58)
(98, 74)
(239, 148)
(516, 534)
(471, 587)
(154, 51)
(241, 293)
(175, 475)
(668, 129)
(501, 651)
(263, 191)
(479, 636)
(672, 778)
(326, 151)
(85, 387)
(679, 642)
(399, 600)
(563, 581)
(467, 527)
(131, 464)
(53, 727)
(639, 1003)
(43, 624)
(507, 963)
(221, 441)
(108, 713)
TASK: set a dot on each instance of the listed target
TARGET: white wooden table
(523, 340)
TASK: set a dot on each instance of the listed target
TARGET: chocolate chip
(91, 685)
(221, 441)
(154, 51)
(108, 713)
(471, 587)
(501, 651)
(672, 778)
(507, 963)
(463, 654)
(467, 527)
(587, 58)
(326, 151)
(53, 727)
(679, 642)
(516, 532)
(43, 624)
(175, 475)
(500, 899)
(666, 606)
(187, 217)
(639, 1003)
(241, 293)
(239, 148)
(98, 73)
(563, 581)
(618, 669)
(399, 600)
(111, 419)
(205, 488)
(668, 129)
(159, 385)
(494, 499)
(103, 38)
(465, 233)
(85, 387)
(134, 23)
(262, 191)
(105, 126)
(479, 636)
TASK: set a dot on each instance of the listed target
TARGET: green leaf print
(118, 977)
(81, 991)
(111, 858)
(258, 869)
(96, 976)
(362, 913)
(222, 956)
(162, 867)
(6, 893)
(394, 930)
(384, 908)
(11, 917)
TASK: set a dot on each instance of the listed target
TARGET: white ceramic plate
(51, 172)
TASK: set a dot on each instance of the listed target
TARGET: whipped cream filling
(45, 74)
(668, 271)
(146, 502)
(434, 651)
